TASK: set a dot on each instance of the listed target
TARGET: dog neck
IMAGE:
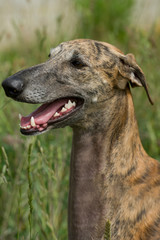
(100, 162)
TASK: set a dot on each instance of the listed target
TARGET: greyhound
(86, 84)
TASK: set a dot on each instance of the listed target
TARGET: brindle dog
(85, 84)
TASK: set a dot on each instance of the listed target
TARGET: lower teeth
(43, 126)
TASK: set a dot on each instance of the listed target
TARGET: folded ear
(132, 73)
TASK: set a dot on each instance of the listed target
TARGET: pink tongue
(43, 113)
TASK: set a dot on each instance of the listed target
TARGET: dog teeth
(20, 116)
(56, 114)
(63, 109)
(66, 106)
(25, 127)
(70, 104)
(32, 122)
(74, 104)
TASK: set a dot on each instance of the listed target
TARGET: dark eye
(77, 63)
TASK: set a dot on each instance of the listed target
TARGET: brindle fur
(112, 177)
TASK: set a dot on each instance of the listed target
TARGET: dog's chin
(51, 115)
(32, 133)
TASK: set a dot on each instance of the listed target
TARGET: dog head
(73, 85)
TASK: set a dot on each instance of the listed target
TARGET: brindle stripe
(151, 230)
(130, 171)
(107, 51)
(110, 75)
(98, 49)
(105, 48)
(108, 65)
(157, 221)
(142, 178)
(140, 215)
(156, 183)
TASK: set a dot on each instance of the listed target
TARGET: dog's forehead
(68, 49)
(85, 47)
(88, 45)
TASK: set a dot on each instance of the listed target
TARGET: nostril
(13, 87)
(13, 91)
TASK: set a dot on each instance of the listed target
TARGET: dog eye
(77, 63)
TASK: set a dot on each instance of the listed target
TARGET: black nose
(12, 86)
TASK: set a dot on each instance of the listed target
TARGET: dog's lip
(51, 122)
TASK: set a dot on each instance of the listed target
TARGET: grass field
(34, 171)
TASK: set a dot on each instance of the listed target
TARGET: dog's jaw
(48, 115)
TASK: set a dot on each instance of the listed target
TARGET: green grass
(34, 181)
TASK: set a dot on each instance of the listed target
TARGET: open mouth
(48, 114)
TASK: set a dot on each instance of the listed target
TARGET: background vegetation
(34, 171)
